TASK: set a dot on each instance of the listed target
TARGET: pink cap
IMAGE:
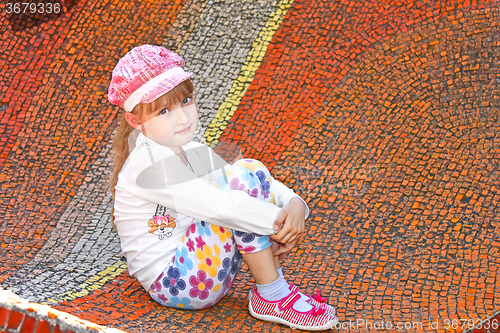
(145, 73)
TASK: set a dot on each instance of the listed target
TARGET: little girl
(186, 219)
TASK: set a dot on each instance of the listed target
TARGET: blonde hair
(120, 143)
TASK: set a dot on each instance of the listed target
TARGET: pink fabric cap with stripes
(145, 73)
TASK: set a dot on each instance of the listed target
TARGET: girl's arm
(162, 178)
(290, 221)
(281, 193)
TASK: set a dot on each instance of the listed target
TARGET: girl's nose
(181, 116)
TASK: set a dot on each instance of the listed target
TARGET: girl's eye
(187, 100)
(163, 111)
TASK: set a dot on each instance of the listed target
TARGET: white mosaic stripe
(81, 245)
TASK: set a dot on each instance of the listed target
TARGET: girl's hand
(291, 224)
(284, 249)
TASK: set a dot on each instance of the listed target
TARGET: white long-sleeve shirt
(157, 197)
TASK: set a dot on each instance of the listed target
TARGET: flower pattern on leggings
(266, 185)
(223, 233)
(199, 242)
(250, 177)
(201, 285)
(235, 185)
(238, 259)
(264, 240)
(203, 229)
(182, 261)
(156, 286)
(160, 298)
(181, 303)
(224, 272)
(209, 261)
(191, 229)
(190, 245)
(246, 237)
(173, 281)
(246, 249)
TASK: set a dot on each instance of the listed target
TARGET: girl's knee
(250, 176)
(252, 165)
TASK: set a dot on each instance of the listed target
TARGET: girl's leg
(272, 299)
(254, 178)
(265, 179)
(202, 271)
(262, 266)
(277, 261)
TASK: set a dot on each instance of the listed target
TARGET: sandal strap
(293, 288)
(288, 302)
(319, 306)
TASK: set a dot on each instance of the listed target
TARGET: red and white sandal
(282, 312)
(315, 300)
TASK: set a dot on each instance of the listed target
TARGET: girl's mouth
(184, 131)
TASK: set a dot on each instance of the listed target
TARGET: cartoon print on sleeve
(162, 224)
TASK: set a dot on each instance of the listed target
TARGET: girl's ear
(132, 120)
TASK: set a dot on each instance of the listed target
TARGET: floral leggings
(207, 261)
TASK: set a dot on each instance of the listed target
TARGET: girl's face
(172, 125)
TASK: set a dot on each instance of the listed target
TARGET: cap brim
(164, 87)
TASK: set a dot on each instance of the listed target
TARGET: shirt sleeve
(165, 180)
(283, 195)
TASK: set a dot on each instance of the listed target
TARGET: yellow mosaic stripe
(93, 283)
(241, 84)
